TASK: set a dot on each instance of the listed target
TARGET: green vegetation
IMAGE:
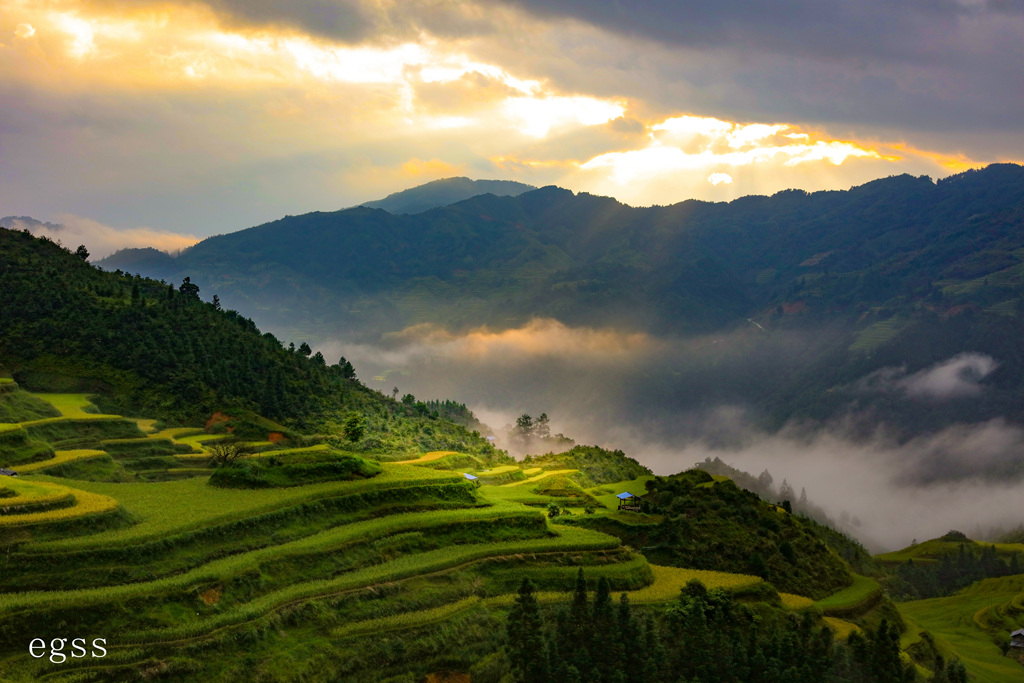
(226, 508)
(704, 635)
(974, 624)
(863, 594)
(723, 528)
(595, 464)
(255, 474)
(942, 566)
(179, 360)
(20, 406)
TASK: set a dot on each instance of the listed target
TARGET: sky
(179, 120)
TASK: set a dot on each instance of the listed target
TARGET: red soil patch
(211, 596)
(216, 419)
(275, 437)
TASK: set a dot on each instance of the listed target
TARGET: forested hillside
(152, 348)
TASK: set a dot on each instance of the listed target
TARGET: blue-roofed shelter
(8, 473)
(628, 501)
(470, 476)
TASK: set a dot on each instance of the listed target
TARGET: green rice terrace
(194, 555)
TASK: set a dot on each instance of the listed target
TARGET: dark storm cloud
(824, 29)
(943, 65)
(345, 20)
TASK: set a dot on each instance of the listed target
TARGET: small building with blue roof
(628, 501)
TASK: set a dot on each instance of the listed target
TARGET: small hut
(469, 476)
(628, 501)
(1017, 638)
(7, 473)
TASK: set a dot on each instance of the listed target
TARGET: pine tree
(526, 646)
(603, 637)
(579, 631)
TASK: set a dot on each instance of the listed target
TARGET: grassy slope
(957, 622)
(931, 551)
(166, 510)
(158, 506)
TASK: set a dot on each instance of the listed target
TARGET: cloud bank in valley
(101, 240)
(673, 402)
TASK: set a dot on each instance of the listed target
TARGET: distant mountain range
(901, 271)
(894, 244)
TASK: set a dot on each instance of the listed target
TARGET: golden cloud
(541, 337)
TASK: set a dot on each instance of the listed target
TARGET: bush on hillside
(256, 474)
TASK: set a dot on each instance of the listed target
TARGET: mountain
(444, 192)
(584, 259)
(899, 272)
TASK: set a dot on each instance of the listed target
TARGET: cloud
(878, 480)
(719, 178)
(671, 402)
(958, 377)
(225, 114)
(101, 240)
(942, 65)
(541, 338)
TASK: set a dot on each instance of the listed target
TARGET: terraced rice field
(60, 458)
(795, 602)
(877, 334)
(157, 507)
(969, 622)
(427, 457)
(73, 406)
(37, 504)
(246, 604)
(184, 565)
(857, 598)
(537, 477)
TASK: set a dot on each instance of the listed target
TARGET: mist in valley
(672, 402)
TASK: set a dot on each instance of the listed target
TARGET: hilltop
(444, 192)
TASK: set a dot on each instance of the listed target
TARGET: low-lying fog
(672, 403)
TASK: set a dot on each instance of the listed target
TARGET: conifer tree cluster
(953, 571)
(163, 349)
(704, 637)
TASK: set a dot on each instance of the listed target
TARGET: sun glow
(536, 116)
(687, 143)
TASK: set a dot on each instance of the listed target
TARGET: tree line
(705, 636)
